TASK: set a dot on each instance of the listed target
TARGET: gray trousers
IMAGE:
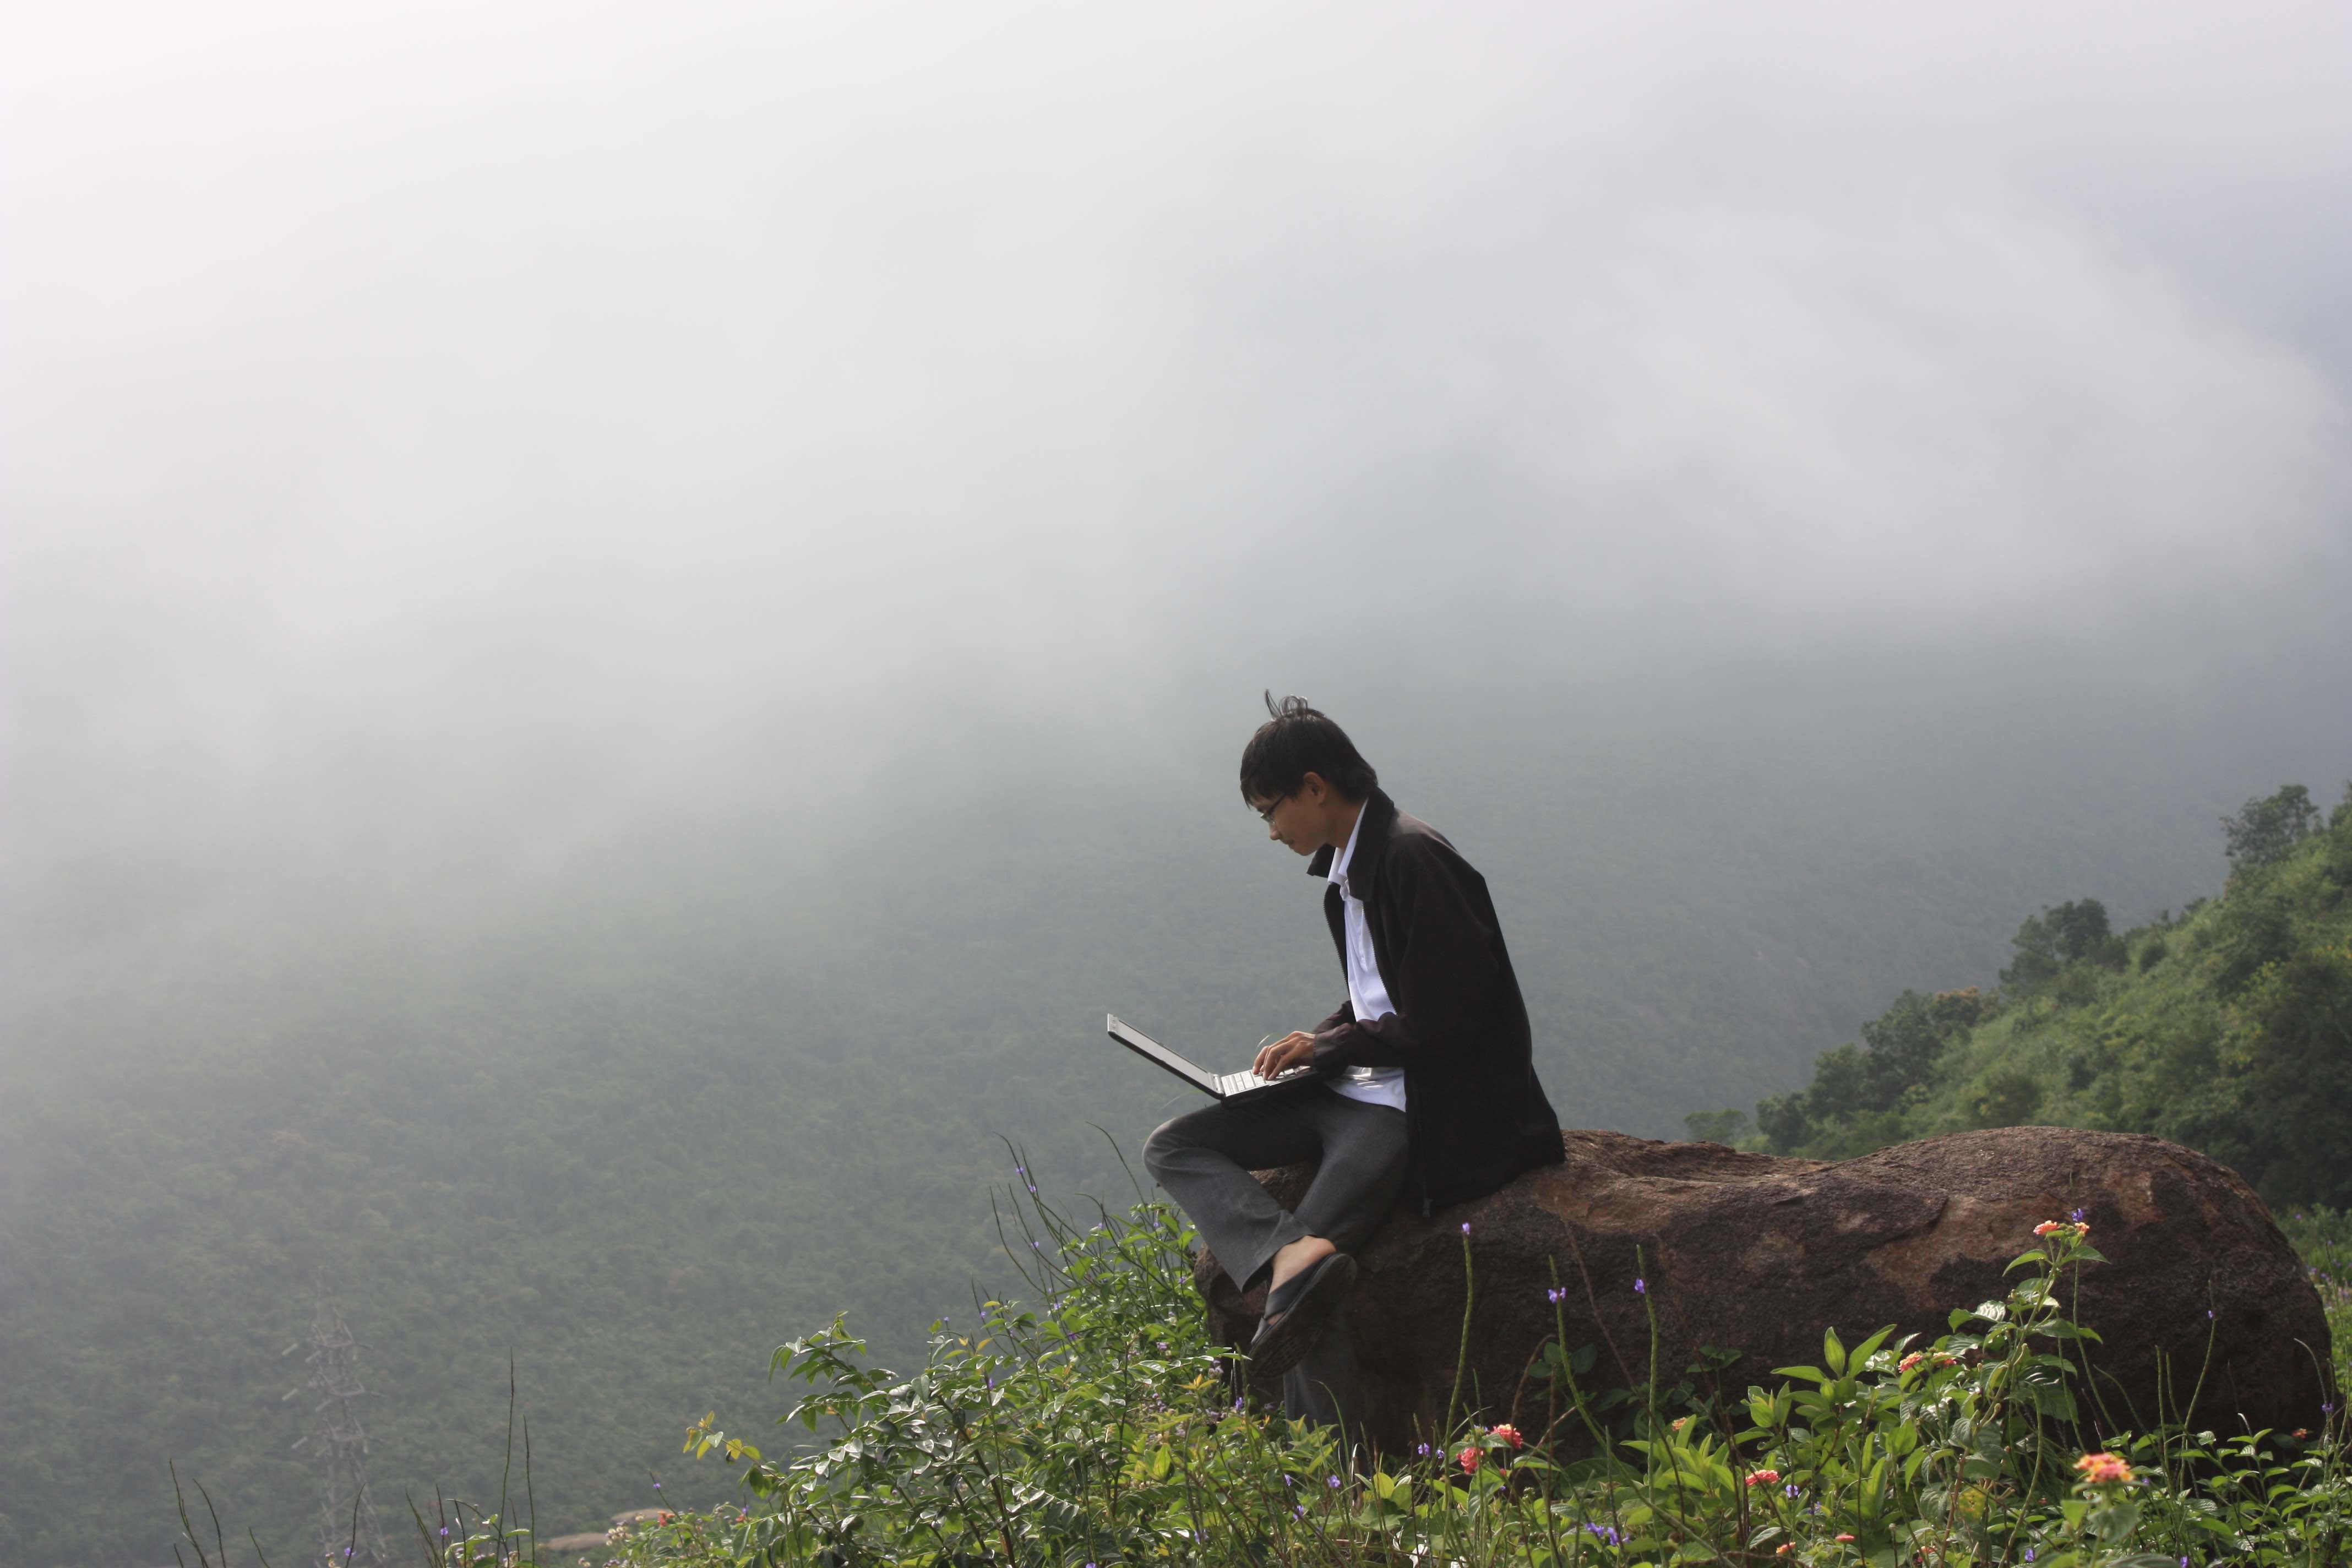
(1204, 1161)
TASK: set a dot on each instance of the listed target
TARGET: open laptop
(1223, 1086)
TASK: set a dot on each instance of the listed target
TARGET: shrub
(2007, 1099)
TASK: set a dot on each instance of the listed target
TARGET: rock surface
(1760, 1254)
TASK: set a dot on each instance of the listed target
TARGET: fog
(443, 443)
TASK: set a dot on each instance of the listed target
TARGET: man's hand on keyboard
(1294, 1050)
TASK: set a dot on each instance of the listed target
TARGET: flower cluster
(2098, 1469)
(1470, 1459)
(2075, 1225)
(1763, 1477)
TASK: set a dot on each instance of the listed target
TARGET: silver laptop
(1223, 1086)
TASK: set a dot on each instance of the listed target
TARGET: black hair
(1297, 740)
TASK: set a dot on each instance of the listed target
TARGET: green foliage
(1716, 1126)
(1098, 1426)
(2265, 831)
(1859, 1092)
(2047, 944)
(2231, 1031)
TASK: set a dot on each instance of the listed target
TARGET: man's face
(1299, 820)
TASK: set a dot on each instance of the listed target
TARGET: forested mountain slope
(2227, 1026)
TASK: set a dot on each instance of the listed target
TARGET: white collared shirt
(1366, 995)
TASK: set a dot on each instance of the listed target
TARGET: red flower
(1509, 1434)
(1762, 1478)
(1468, 1459)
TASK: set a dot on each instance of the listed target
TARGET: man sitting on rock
(1421, 1084)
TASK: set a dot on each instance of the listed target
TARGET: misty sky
(444, 441)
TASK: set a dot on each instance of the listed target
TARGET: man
(1420, 1085)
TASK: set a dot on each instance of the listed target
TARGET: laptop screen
(1134, 1039)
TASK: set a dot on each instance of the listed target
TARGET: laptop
(1240, 1085)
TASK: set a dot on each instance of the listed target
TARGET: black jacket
(1477, 1115)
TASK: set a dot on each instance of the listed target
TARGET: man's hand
(1295, 1050)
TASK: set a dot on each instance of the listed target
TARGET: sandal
(1297, 1310)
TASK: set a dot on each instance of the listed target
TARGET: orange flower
(1846, 1538)
(1468, 1459)
(1782, 1550)
(1762, 1478)
(2046, 1226)
(1509, 1434)
(2098, 1469)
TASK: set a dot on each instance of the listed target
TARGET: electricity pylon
(349, 1535)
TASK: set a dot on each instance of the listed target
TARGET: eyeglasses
(1266, 815)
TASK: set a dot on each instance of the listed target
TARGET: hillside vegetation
(2227, 1026)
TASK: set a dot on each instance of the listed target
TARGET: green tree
(2062, 934)
(2266, 830)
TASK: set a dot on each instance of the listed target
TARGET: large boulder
(1759, 1255)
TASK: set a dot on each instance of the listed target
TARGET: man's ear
(1313, 788)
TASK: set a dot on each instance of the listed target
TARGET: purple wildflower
(2076, 1214)
(1640, 1287)
(1422, 1449)
(1333, 1482)
(1556, 1296)
(1465, 1228)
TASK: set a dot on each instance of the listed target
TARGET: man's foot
(1300, 1255)
(1299, 1309)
